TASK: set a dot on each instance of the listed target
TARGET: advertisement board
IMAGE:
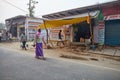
(55, 31)
(101, 33)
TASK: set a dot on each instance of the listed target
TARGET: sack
(21, 45)
(33, 45)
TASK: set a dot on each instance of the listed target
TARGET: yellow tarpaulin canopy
(57, 23)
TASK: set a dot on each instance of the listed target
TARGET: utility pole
(31, 8)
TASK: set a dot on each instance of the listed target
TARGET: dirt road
(66, 54)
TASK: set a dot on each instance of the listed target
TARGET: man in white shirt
(23, 39)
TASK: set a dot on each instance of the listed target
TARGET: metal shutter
(112, 32)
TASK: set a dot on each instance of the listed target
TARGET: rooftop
(80, 10)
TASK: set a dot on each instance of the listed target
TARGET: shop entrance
(112, 32)
(81, 32)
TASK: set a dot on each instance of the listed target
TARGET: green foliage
(32, 7)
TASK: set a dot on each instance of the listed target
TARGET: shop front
(65, 25)
(81, 31)
(112, 25)
(112, 31)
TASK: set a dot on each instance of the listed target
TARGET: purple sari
(39, 47)
(39, 50)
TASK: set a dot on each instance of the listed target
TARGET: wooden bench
(77, 45)
(58, 41)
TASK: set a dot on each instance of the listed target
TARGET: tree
(32, 7)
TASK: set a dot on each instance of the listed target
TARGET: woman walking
(39, 38)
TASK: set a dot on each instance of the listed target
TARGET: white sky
(43, 7)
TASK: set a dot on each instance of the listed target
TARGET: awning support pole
(91, 29)
(46, 30)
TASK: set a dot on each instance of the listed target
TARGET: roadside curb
(83, 58)
(102, 53)
(74, 57)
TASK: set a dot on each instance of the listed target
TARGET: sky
(11, 8)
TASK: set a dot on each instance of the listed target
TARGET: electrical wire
(14, 6)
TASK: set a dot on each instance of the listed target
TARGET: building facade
(112, 25)
(19, 24)
(105, 30)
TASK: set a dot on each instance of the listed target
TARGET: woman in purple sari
(39, 46)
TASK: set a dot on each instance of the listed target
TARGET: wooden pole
(47, 33)
(91, 29)
(46, 30)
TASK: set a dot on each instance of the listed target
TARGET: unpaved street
(16, 65)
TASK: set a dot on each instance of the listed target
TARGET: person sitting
(87, 42)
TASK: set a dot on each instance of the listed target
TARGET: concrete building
(18, 24)
(105, 25)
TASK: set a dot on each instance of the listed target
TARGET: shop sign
(112, 17)
(65, 33)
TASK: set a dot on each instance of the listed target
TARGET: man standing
(0, 36)
(23, 39)
(60, 37)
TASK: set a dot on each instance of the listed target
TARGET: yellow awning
(57, 23)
